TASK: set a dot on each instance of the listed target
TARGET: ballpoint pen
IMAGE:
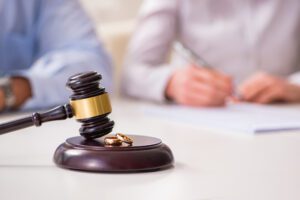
(190, 55)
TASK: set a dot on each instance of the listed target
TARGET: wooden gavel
(89, 103)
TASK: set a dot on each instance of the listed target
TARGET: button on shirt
(236, 37)
(47, 41)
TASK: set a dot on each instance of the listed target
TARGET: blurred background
(115, 21)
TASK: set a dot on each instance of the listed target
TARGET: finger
(270, 94)
(253, 87)
(210, 77)
(291, 92)
(208, 90)
(197, 96)
(222, 82)
(234, 99)
(227, 81)
(196, 99)
(206, 94)
(212, 74)
(273, 93)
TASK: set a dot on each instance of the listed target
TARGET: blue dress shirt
(47, 41)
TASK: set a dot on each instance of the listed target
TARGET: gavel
(89, 104)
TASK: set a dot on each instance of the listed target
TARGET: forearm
(49, 75)
(146, 71)
(146, 82)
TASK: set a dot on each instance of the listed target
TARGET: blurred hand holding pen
(198, 61)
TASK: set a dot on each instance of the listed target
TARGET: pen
(190, 55)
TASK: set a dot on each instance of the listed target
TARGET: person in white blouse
(252, 45)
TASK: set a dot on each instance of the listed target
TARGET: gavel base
(145, 154)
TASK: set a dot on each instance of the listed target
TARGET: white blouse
(238, 37)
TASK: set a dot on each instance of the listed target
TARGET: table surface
(208, 166)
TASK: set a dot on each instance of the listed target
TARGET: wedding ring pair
(118, 140)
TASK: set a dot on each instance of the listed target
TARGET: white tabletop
(207, 166)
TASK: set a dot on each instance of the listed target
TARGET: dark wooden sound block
(145, 154)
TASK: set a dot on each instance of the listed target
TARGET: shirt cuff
(149, 83)
(40, 90)
(294, 78)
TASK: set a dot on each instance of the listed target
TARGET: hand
(21, 89)
(195, 86)
(2, 100)
(264, 88)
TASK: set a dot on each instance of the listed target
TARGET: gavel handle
(58, 113)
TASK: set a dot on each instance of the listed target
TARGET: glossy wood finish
(145, 154)
(83, 85)
(58, 113)
(86, 85)
(88, 153)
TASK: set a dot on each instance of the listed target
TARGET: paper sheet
(240, 117)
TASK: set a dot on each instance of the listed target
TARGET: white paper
(240, 117)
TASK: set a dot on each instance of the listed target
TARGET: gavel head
(90, 104)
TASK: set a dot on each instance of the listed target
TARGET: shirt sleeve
(295, 77)
(146, 72)
(66, 44)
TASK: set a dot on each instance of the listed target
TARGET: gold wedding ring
(113, 141)
(118, 140)
(124, 138)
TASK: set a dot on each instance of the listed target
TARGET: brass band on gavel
(91, 107)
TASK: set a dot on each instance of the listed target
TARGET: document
(237, 117)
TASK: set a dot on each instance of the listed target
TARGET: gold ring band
(91, 107)
(113, 141)
(124, 138)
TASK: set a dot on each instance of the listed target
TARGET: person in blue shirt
(42, 43)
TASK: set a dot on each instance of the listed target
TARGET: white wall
(114, 21)
(106, 11)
